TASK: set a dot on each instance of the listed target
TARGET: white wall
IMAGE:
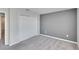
(22, 26)
(7, 33)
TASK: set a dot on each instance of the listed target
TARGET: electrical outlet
(67, 35)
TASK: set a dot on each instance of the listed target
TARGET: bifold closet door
(27, 27)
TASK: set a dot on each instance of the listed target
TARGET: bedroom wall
(62, 24)
(22, 25)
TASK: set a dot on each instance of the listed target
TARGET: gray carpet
(41, 43)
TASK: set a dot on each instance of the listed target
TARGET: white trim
(38, 24)
(78, 25)
(59, 38)
(45, 36)
(6, 30)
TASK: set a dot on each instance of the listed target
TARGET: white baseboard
(45, 36)
(59, 39)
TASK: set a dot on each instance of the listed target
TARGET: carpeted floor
(41, 43)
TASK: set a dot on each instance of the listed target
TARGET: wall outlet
(67, 35)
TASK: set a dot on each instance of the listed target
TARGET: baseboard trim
(59, 39)
(46, 36)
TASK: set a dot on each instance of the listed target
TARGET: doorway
(2, 28)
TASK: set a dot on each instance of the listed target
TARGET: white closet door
(27, 27)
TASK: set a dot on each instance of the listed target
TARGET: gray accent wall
(62, 24)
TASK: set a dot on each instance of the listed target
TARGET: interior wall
(61, 24)
(23, 25)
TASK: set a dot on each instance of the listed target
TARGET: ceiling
(47, 10)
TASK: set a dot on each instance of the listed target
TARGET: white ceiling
(47, 10)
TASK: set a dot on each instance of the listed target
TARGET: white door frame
(78, 26)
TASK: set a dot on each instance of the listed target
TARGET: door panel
(27, 27)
